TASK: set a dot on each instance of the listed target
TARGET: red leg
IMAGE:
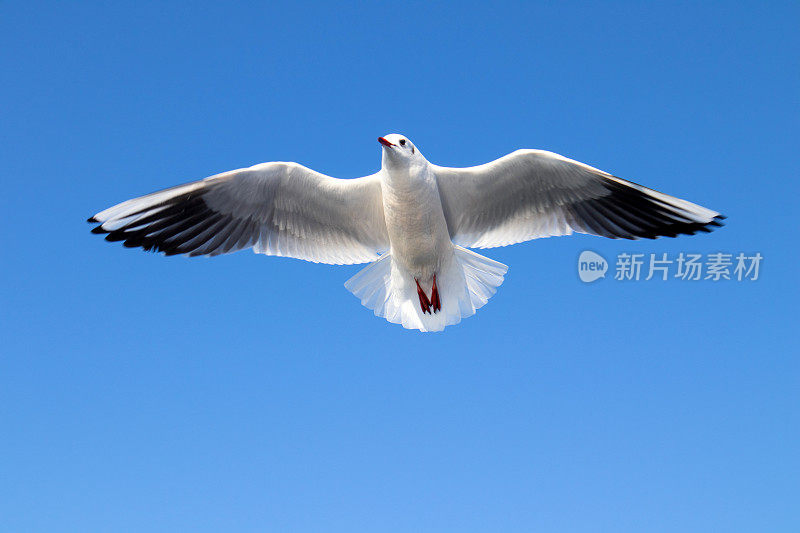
(435, 303)
(424, 303)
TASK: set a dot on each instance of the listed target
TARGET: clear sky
(253, 393)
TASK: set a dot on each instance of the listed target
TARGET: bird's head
(399, 150)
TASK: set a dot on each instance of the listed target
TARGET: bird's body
(413, 221)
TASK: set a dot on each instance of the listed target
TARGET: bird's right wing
(276, 208)
(532, 193)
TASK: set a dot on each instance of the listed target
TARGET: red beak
(384, 142)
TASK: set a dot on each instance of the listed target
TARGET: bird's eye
(402, 142)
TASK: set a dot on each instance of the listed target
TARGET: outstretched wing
(276, 208)
(533, 193)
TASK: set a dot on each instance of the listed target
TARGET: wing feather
(530, 194)
(276, 208)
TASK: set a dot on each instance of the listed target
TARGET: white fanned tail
(466, 283)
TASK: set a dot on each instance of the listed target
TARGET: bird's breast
(415, 223)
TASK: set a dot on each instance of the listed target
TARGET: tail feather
(371, 284)
(466, 283)
(483, 276)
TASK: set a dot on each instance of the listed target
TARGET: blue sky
(252, 393)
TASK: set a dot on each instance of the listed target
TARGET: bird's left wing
(533, 193)
(276, 208)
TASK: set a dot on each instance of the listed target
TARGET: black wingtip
(98, 230)
(92, 220)
(717, 221)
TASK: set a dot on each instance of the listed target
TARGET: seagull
(412, 221)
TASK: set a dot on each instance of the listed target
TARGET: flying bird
(412, 221)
